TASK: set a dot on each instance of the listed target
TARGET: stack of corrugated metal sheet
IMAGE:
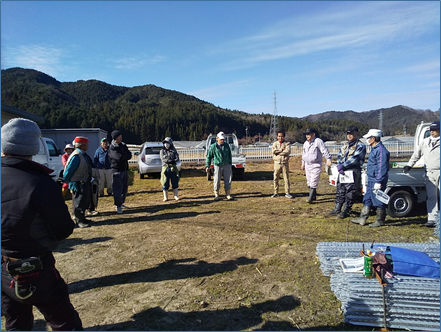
(410, 302)
(436, 231)
(329, 253)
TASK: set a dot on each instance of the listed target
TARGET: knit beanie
(115, 134)
(21, 137)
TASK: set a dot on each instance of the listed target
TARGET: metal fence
(197, 156)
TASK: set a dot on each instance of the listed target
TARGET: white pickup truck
(238, 159)
(50, 156)
(404, 189)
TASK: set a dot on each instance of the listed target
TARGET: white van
(50, 156)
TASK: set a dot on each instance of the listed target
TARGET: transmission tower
(380, 121)
(274, 125)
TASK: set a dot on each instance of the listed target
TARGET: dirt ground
(196, 264)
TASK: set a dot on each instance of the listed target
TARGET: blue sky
(317, 56)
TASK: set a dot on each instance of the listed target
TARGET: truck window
(427, 133)
(53, 151)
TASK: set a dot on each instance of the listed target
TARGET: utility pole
(274, 124)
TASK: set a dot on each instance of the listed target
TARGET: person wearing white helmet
(377, 172)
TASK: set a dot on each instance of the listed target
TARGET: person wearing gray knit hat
(35, 218)
(20, 137)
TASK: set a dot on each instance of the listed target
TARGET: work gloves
(406, 169)
(340, 169)
(377, 186)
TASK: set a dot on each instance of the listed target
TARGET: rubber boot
(216, 195)
(312, 194)
(227, 192)
(345, 213)
(381, 218)
(175, 193)
(336, 210)
(363, 215)
(165, 195)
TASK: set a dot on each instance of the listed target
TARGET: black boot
(363, 215)
(345, 213)
(336, 210)
(381, 218)
(312, 193)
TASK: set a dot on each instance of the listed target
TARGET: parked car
(50, 156)
(149, 162)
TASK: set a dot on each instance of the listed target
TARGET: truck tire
(141, 176)
(400, 204)
(240, 173)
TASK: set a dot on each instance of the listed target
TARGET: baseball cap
(351, 129)
(373, 133)
(221, 135)
(309, 131)
(434, 126)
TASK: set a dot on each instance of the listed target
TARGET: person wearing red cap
(78, 173)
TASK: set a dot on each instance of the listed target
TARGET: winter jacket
(119, 155)
(378, 164)
(281, 152)
(221, 155)
(314, 151)
(352, 155)
(430, 153)
(100, 159)
(169, 156)
(34, 215)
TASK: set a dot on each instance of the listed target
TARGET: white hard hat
(373, 133)
(221, 135)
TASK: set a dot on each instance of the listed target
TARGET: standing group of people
(87, 178)
(349, 162)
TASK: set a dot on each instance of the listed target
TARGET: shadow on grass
(68, 244)
(175, 269)
(126, 216)
(237, 319)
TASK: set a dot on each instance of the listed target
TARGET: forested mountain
(151, 113)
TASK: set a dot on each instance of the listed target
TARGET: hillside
(151, 113)
(394, 118)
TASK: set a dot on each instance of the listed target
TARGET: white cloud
(135, 63)
(355, 26)
(46, 59)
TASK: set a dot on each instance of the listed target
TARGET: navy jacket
(34, 215)
(378, 164)
(101, 159)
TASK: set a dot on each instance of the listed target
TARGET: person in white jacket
(429, 148)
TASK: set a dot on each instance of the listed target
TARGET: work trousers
(120, 186)
(226, 172)
(370, 199)
(432, 190)
(50, 296)
(281, 168)
(81, 199)
(347, 192)
(313, 171)
(105, 181)
(170, 176)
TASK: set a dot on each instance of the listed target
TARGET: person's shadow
(170, 270)
(237, 319)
